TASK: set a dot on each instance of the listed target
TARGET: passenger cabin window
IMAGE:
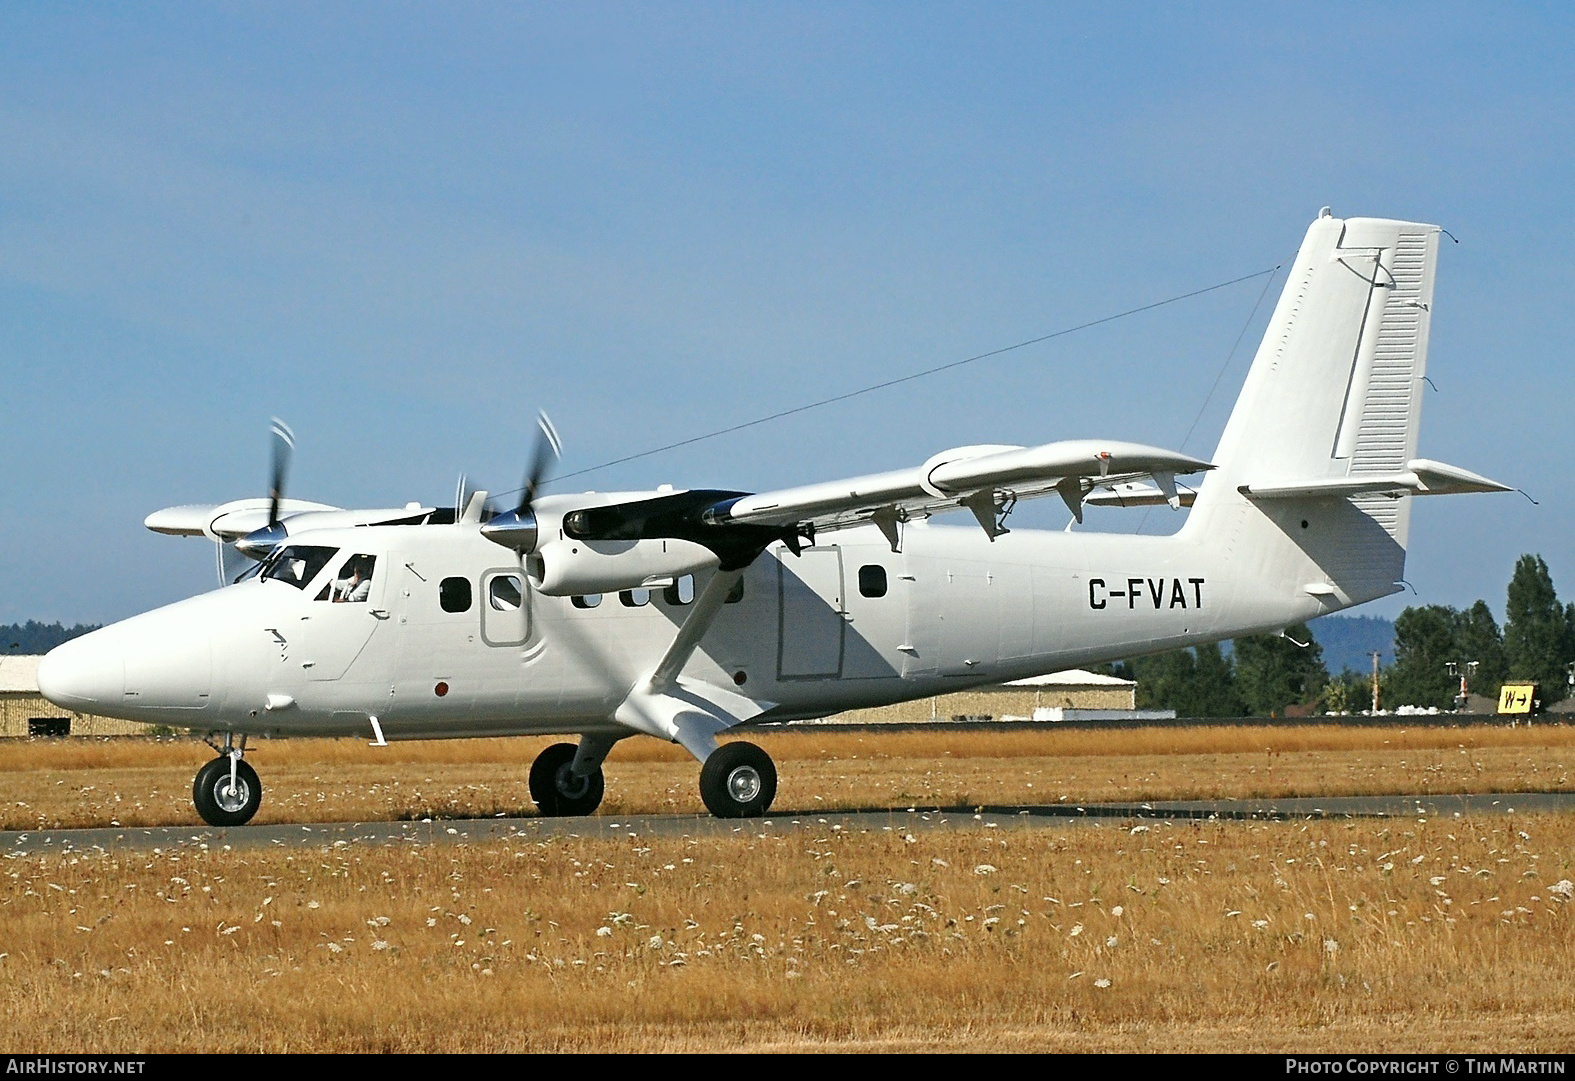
(298, 564)
(590, 600)
(681, 591)
(872, 581)
(454, 594)
(352, 584)
(634, 598)
(506, 593)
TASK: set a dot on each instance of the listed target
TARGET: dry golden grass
(1318, 936)
(55, 784)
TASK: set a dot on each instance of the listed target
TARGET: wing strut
(707, 607)
(689, 711)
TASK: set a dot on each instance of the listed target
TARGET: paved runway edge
(489, 830)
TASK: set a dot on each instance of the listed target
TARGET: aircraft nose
(83, 673)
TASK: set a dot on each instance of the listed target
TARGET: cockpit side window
(353, 583)
(297, 564)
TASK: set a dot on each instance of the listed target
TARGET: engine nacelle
(566, 568)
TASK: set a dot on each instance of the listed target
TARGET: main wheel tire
(556, 791)
(739, 780)
(217, 802)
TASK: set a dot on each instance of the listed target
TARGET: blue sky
(404, 229)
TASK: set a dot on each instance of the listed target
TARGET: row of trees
(1537, 643)
(1268, 674)
(35, 637)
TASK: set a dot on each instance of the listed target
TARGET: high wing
(237, 519)
(987, 480)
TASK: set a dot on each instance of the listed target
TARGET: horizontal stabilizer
(1420, 477)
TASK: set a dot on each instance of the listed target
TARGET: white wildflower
(984, 869)
(1110, 943)
(1101, 983)
(938, 862)
(1330, 946)
(1138, 829)
(1564, 888)
(1117, 911)
(1076, 930)
(379, 944)
(654, 942)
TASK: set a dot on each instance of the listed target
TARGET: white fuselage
(812, 634)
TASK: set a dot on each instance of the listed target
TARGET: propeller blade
(283, 445)
(548, 448)
(516, 529)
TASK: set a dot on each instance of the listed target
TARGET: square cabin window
(872, 580)
(454, 594)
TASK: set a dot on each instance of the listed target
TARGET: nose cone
(86, 674)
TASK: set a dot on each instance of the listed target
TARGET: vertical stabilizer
(1333, 395)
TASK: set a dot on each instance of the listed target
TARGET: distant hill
(34, 637)
(1348, 642)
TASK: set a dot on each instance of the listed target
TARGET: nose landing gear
(226, 791)
(558, 790)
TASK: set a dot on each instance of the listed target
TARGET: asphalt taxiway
(903, 820)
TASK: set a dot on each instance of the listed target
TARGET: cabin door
(810, 614)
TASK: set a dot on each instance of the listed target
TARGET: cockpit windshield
(297, 564)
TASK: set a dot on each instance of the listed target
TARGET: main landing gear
(227, 791)
(738, 780)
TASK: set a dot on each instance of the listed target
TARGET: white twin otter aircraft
(683, 614)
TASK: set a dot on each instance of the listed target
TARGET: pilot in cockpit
(355, 579)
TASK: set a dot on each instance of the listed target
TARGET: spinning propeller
(258, 543)
(516, 529)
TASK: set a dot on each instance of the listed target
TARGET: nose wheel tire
(739, 780)
(555, 789)
(218, 801)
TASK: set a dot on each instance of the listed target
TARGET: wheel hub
(744, 784)
(231, 797)
(570, 786)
